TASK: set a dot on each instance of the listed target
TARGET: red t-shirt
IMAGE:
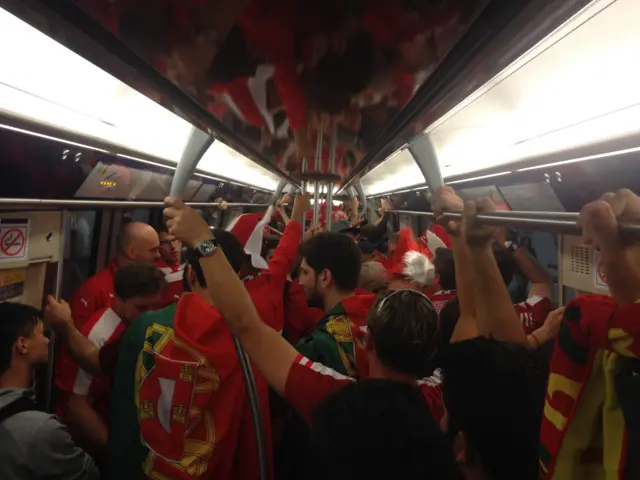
(103, 327)
(93, 295)
(440, 299)
(173, 275)
(533, 312)
(309, 383)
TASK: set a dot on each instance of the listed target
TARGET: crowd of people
(374, 355)
(276, 72)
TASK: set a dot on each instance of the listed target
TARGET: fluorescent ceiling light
(43, 82)
(224, 161)
(49, 137)
(480, 178)
(149, 162)
(576, 88)
(584, 159)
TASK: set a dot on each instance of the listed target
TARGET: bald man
(137, 243)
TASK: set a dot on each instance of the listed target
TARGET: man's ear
(21, 346)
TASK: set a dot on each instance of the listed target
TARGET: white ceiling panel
(578, 87)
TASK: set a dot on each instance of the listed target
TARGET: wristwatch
(206, 248)
(509, 245)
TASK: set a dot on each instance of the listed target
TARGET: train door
(31, 253)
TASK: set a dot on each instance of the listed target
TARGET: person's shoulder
(33, 428)
(163, 316)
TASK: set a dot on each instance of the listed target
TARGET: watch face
(206, 248)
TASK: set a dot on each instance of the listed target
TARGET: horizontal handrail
(553, 222)
(71, 204)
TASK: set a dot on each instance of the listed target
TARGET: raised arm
(541, 281)
(446, 200)
(495, 313)
(287, 251)
(620, 257)
(268, 350)
(82, 350)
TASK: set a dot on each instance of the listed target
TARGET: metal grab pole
(425, 157)
(553, 225)
(332, 166)
(57, 293)
(316, 183)
(197, 145)
(258, 417)
(304, 191)
(363, 198)
(278, 192)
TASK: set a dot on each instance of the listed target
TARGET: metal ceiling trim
(502, 33)
(67, 24)
(126, 155)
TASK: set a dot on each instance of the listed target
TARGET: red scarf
(583, 432)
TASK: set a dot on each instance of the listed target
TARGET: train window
(479, 192)
(532, 197)
(79, 262)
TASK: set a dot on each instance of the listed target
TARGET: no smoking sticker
(600, 279)
(14, 240)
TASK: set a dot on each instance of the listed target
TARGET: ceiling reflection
(277, 72)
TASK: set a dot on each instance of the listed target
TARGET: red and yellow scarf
(583, 431)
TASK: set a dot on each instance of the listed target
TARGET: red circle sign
(12, 242)
(601, 276)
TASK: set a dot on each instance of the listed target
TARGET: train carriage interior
(107, 107)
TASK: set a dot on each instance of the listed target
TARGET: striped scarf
(583, 433)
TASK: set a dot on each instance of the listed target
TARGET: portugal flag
(177, 407)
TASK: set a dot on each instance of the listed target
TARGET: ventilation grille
(581, 260)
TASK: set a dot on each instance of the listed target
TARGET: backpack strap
(23, 404)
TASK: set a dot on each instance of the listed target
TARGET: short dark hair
(231, 247)
(502, 424)
(336, 252)
(379, 429)
(445, 268)
(404, 328)
(16, 320)
(138, 280)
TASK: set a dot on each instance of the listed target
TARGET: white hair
(418, 269)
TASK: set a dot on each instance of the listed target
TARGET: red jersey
(533, 312)
(173, 275)
(103, 327)
(93, 295)
(440, 299)
(309, 383)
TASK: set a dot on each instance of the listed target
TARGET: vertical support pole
(332, 166)
(278, 192)
(316, 193)
(57, 292)
(425, 157)
(363, 198)
(560, 291)
(197, 145)
(304, 190)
